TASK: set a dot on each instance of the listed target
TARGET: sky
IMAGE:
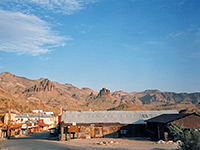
(129, 45)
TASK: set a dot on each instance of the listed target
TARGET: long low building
(50, 120)
(88, 124)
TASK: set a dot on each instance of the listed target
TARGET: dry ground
(39, 141)
(119, 144)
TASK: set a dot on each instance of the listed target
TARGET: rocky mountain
(17, 104)
(27, 94)
(14, 84)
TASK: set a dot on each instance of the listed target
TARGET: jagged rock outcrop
(43, 86)
(103, 92)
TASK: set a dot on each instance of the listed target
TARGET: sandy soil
(2, 140)
(119, 144)
(40, 141)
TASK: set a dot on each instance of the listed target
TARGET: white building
(37, 111)
(49, 113)
(47, 119)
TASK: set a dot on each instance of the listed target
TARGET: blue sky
(129, 45)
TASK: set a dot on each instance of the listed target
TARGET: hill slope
(27, 94)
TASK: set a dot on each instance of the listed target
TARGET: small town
(99, 74)
(106, 129)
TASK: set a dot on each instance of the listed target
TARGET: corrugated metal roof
(31, 115)
(123, 117)
(94, 124)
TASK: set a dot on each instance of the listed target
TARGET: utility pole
(28, 111)
(39, 116)
(8, 127)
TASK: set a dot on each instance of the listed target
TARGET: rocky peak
(104, 92)
(44, 85)
(6, 73)
(91, 94)
(152, 91)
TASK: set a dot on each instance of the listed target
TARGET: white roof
(123, 117)
(31, 115)
(36, 111)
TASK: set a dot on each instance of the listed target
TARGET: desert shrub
(189, 140)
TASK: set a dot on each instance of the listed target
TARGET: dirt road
(40, 141)
(37, 141)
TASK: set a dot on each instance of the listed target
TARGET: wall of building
(87, 131)
(191, 122)
(108, 131)
(133, 130)
(159, 131)
(49, 120)
(12, 118)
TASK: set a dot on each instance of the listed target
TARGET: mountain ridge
(53, 95)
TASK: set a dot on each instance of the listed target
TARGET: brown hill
(53, 95)
(103, 100)
(131, 106)
(14, 84)
(17, 104)
(189, 110)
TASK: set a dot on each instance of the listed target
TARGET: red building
(158, 126)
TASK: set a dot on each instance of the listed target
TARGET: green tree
(189, 140)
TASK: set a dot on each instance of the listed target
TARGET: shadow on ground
(161, 149)
(37, 135)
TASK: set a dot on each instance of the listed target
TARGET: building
(91, 124)
(11, 127)
(49, 113)
(47, 119)
(158, 126)
(1, 124)
(6, 117)
(37, 111)
(27, 122)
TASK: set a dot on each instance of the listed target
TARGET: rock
(104, 142)
(104, 92)
(178, 142)
(161, 142)
(169, 142)
(97, 143)
(45, 86)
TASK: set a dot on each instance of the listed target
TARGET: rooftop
(166, 118)
(31, 115)
(123, 117)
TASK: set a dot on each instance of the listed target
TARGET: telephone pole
(39, 116)
(8, 127)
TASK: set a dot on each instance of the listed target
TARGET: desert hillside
(25, 95)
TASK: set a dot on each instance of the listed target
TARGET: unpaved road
(39, 141)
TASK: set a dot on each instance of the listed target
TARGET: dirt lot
(120, 144)
(41, 141)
